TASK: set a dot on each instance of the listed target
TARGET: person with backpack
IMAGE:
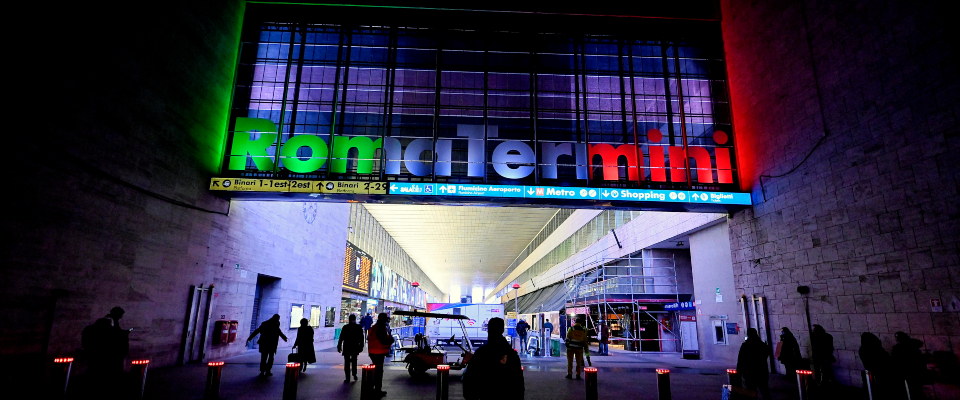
(576, 341)
(378, 346)
(494, 370)
(522, 330)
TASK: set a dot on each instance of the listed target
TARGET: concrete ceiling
(461, 246)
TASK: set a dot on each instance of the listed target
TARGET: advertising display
(388, 285)
(479, 315)
(356, 270)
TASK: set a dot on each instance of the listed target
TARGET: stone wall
(869, 220)
(113, 207)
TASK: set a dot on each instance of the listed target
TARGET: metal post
(591, 380)
(733, 378)
(138, 371)
(290, 381)
(366, 381)
(443, 382)
(867, 383)
(212, 389)
(61, 376)
(663, 384)
(803, 383)
(906, 385)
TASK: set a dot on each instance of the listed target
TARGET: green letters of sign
(243, 146)
(366, 149)
(317, 158)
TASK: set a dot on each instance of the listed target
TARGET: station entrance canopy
(333, 111)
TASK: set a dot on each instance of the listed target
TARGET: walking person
(378, 346)
(522, 328)
(350, 345)
(494, 371)
(106, 346)
(788, 352)
(910, 363)
(366, 322)
(823, 358)
(576, 341)
(877, 361)
(752, 364)
(604, 339)
(304, 345)
(270, 335)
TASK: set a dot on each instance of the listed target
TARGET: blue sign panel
(681, 306)
(568, 193)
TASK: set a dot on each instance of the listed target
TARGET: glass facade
(394, 103)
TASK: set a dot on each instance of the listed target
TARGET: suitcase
(294, 356)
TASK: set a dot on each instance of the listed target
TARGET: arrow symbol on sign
(443, 189)
(393, 187)
(530, 191)
(605, 193)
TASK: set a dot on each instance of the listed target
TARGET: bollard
(212, 391)
(867, 378)
(591, 381)
(733, 378)
(61, 376)
(366, 381)
(803, 383)
(290, 381)
(443, 382)
(138, 373)
(663, 383)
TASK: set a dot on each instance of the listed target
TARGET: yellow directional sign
(297, 186)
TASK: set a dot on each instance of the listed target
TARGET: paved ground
(623, 375)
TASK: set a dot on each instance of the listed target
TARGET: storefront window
(350, 306)
(331, 317)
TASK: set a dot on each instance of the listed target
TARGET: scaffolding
(617, 286)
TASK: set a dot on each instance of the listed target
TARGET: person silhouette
(105, 345)
(270, 335)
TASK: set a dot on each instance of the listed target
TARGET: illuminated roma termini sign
(255, 141)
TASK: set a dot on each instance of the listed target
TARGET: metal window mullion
(667, 95)
(283, 102)
(683, 122)
(333, 107)
(436, 108)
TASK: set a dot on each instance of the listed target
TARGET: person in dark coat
(494, 371)
(350, 345)
(876, 360)
(304, 344)
(789, 354)
(270, 335)
(604, 339)
(366, 322)
(909, 363)
(823, 358)
(752, 364)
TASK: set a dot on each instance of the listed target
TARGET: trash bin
(336, 334)
(555, 347)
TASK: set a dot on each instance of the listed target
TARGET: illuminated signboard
(356, 270)
(494, 115)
